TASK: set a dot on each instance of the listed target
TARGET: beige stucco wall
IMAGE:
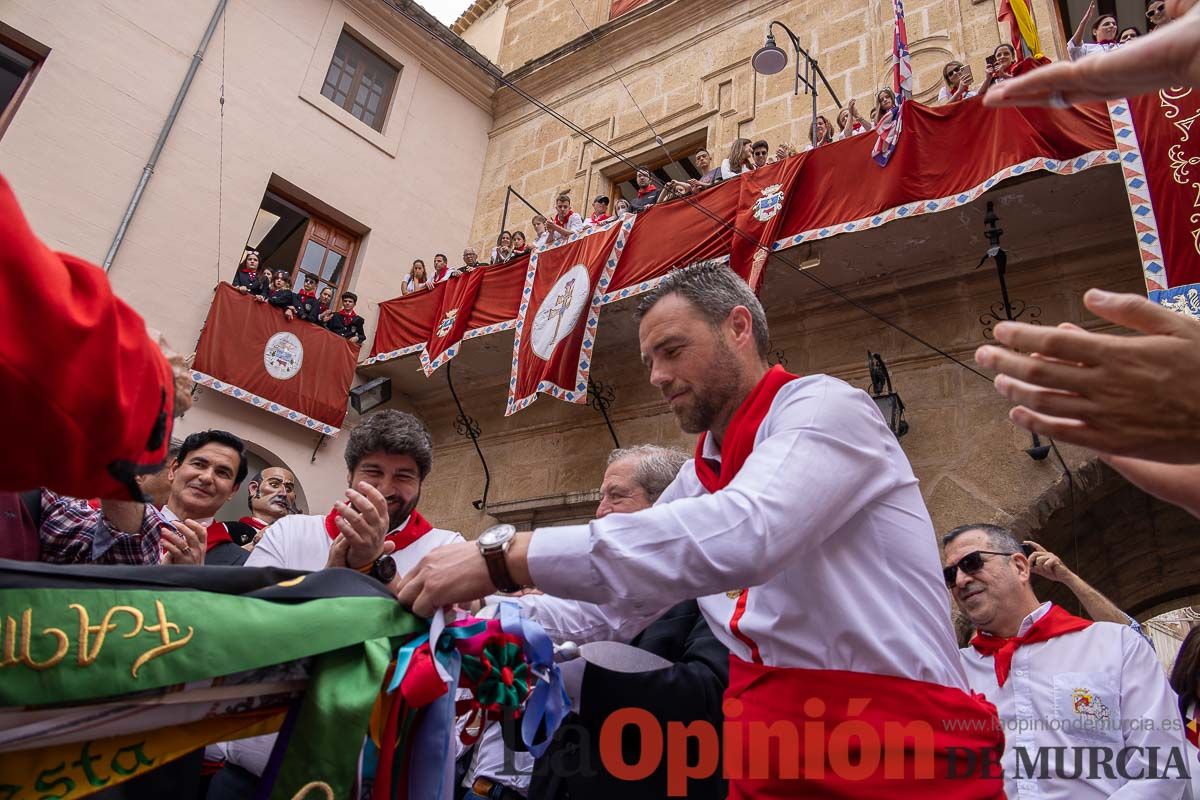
(77, 145)
(486, 34)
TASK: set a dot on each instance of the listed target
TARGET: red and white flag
(765, 193)
(457, 302)
(889, 126)
(559, 312)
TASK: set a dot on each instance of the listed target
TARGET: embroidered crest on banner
(560, 311)
(283, 356)
(447, 323)
(769, 204)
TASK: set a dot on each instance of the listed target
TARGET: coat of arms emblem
(283, 356)
(769, 204)
(447, 323)
(1088, 704)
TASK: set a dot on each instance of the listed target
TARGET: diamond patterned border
(1134, 170)
(577, 394)
(1070, 166)
(239, 393)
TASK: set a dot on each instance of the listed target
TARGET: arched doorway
(1140, 552)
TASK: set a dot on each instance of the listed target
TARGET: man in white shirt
(388, 456)
(1085, 706)
(565, 222)
(800, 528)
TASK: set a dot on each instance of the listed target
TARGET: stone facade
(685, 66)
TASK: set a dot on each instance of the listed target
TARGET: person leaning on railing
(958, 78)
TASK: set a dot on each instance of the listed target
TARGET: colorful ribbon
(548, 703)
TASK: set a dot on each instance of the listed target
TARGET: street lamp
(371, 395)
(771, 59)
(890, 404)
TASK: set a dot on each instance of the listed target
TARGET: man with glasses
(762, 151)
(1084, 705)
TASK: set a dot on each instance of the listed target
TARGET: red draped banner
(457, 302)
(556, 328)
(298, 370)
(950, 156)
(1158, 136)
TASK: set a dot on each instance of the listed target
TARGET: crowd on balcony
(274, 287)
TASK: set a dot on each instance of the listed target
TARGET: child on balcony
(345, 322)
(282, 297)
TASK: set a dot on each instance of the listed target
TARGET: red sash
(217, 534)
(1053, 623)
(416, 527)
(735, 449)
(950, 751)
(255, 522)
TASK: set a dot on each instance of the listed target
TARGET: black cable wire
(495, 73)
(1070, 507)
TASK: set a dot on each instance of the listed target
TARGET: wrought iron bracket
(601, 397)
(1011, 308)
(320, 443)
(468, 426)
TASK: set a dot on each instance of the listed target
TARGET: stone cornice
(439, 49)
(474, 11)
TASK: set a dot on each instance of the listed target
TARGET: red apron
(856, 735)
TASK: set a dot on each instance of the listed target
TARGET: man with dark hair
(1061, 683)
(441, 268)
(345, 322)
(207, 472)
(270, 496)
(647, 192)
(800, 527)
(600, 213)
(762, 151)
(376, 530)
(564, 222)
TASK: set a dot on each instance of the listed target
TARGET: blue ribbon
(548, 703)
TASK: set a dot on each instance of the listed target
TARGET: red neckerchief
(347, 316)
(253, 273)
(856, 127)
(254, 522)
(441, 273)
(645, 190)
(303, 293)
(562, 220)
(217, 534)
(596, 219)
(520, 249)
(1054, 622)
(416, 527)
(322, 307)
(739, 436)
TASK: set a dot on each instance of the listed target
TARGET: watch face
(496, 535)
(384, 570)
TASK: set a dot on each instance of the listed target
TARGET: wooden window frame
(313, 233)
(385, 102)
(9, 112)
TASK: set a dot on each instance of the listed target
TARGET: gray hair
(656, 466)
(1002, 540)
(392, 432)
(714, 290)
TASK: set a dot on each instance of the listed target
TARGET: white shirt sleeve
(1149, 703)
(575, 223)
(824, 457)
(269, 552)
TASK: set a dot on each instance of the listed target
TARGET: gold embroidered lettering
(60, 650)
(86, 657)
(164, 629)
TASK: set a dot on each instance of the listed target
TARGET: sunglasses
(970, 564)
(1154, 11)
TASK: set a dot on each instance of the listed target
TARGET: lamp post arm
(800, 51)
